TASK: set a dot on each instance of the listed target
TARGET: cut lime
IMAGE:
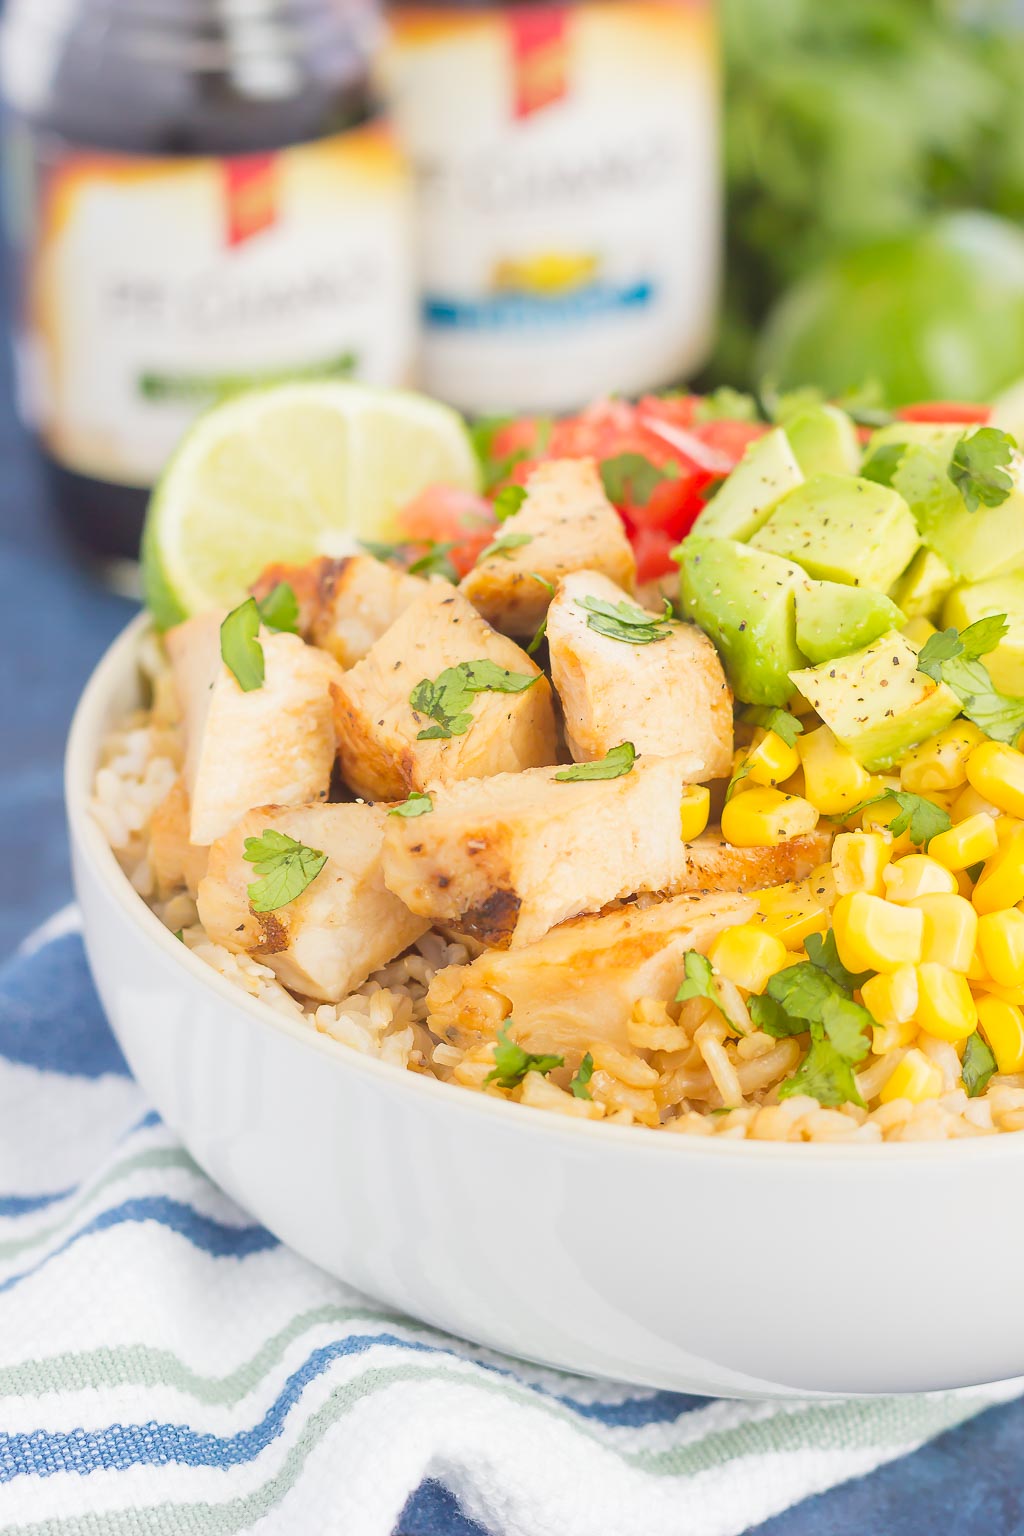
(287, 474)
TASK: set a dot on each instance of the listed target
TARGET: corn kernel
(858, 859)
(976, 970)
(964, 884)
(694, 810)
(941, 761)
(876, 818)
(893, 1037)
(969, 803)
(945, 1005)
(1002, 1024)
(917, 875)
(1001, 946)
(875, 935)
(749, 956)
(1001, 883)
(834, 780)
(997, 772)
(771, 760)
(793, 911)
(967, 842)
(763, 818)
(1005, 827)
(915, 1078)
(891, 999)
(950, 931)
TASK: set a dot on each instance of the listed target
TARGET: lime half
(287, 474)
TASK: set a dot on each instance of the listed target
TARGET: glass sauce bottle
(201, 199)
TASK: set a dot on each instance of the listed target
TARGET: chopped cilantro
(538, 639)
(509, 501)
(512, 1063)
(179, 934)
(882, 465)
(503, 545)
(446, 698)
(280, 609)
(286, 868)
(579, 1087)
(825, 1075)
(700, 982)
(785, 725)
(631, 478)
(436, 563)
(823, 952)
(815, 996)
(803, 990)
(979, 469)
(381, 551)
(417, 805)
(737, 779)
(955, 659)
(978, 1065)
(240, 646)
(614, 765)
(625, 622)
(918, 816)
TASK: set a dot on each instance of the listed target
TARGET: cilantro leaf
(825, 1075)
(881, 466)
(504, 545)
(979, 469)
(737, 779)
(179, 934)
(727, 404)
(579, 1087)
(700, 982)
(509, 501)
(512, 1063)
(823, 952)
(380, 551)
(769, 718)
(846, 1025)
(614, 765)
(446, 698)
(937, 649)
(802, 990)
(955, 659)
(981, 637)
(633, 478)
(286, 868)
(978, 1065)
(436, 563)
(417, 805)
(280, 609)
(542, 629)
(240, 648)
(770, 1017)
(918, 816)
(624, 621)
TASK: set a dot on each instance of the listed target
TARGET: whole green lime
(938, 314)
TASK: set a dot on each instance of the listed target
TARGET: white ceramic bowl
(701, 1266)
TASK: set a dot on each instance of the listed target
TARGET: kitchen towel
(167, 1367)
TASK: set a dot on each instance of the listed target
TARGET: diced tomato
(653, 550)
(731, 438)
(443, 515)
(953, 412)
(681, 410)
(515, 437)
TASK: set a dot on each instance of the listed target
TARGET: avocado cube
(974, 545)
(924, 586)
(824, 441)
(841, 528)
(1004, 594)
(766, 472)
(931, 434)
(876, 701)
(833, 620)
(743, 600)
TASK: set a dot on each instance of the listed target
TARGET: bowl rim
(92, 718)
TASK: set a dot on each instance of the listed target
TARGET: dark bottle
(201, 198)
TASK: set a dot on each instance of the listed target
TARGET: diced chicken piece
(665, 697)
(504, 859)
(174, 860)
(306, 581)
(571, 526)
(378, 729)
(272, 746)
(580, 983)
(345, 605)
(343, 927)
(711, 864)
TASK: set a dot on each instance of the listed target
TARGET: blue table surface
(55, 622)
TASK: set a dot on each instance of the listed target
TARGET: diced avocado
(876, 701)
(1005, 594)
(766, 472)
(932, 434)
(833, 620)
(924, 586)
(824, 441)
(843, 529)
(975, 545)
(744, 602)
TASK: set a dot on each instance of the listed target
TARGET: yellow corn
(858, 859)
(1005, 827)
(945, 1005)
(917, 875)
(763, 818)
(694, 811)
(749, 956)
(876, 818)
(967, 842)
(964, 884)
(834, 780)
(892, 1003)
(976, 970)
(1001, 882)
(792, 911)
(915, 1078)
(1001, 946)
(969, 803)
(875, 935)
(771, 760)
(1002, 1024)
(997, 772)
(950, 931)
(941, 761)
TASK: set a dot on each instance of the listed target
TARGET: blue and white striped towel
(166, 1367)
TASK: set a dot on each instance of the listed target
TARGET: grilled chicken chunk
(579, 984)
(274, 745)
(570, 525)
(711, 864)
(174, 860)
(344, 926)
(665, 697)
(381, 755)
(345, 605)
(506, 858)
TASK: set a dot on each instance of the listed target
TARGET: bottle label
(566, 160)
(153, 288)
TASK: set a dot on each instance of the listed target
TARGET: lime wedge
(286, 474)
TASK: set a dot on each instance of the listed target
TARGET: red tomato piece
(653, 550)
(953, 412)
(443, 515)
